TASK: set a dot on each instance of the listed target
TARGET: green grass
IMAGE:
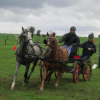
(67, 90)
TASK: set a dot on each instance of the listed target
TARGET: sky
(50, 15)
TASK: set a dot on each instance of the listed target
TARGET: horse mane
(56, 40)
(20, 38)
(54, 37)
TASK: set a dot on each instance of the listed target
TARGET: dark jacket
(87, 45)
(70, 39)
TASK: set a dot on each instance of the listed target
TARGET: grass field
(67, 90)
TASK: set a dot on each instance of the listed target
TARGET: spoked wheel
(87, 72)
(76, 72)
(56, 75)
(41, 71)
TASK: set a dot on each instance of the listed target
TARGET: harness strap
(32, 46)
(51, 45)
(61, 51)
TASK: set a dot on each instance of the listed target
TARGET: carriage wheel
(87, 72)
(56, 75)
(41, 71)
(76, 72)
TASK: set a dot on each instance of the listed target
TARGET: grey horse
(25, 54)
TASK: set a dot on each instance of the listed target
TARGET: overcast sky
(50, 15)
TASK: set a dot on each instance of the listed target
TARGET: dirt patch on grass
(3, 95)
(81, 90)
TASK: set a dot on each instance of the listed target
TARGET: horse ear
(22, 29)
(53, 34)
(28, 28)
(45, 41)
(47, 34)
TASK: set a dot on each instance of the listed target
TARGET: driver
(71, 40)
(89, 47)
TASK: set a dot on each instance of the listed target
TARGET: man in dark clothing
(71, 40)
(88, 48)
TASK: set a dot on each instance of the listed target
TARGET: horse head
(51, 42)
(26, 36)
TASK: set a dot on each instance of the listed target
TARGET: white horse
(25, 53)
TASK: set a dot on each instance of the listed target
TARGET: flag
(14, 48)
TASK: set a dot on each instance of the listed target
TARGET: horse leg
(56, 85)
(44, 78)
(49, 76)
(25, 75)
(16, 71)
(35, 62)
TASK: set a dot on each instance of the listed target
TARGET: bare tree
(38, 33)
(32, 29)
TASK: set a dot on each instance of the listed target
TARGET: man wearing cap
(71, 40)
(89, 48)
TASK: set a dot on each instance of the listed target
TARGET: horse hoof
(24, 84)
(56, 85)
(27, 80)
(41, 90)
(12, 88)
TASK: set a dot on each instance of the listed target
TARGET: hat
(90, 36)
(73, 28)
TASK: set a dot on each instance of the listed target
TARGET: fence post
(5, 41)
(7, 36)
(99, 57)
(17, 41)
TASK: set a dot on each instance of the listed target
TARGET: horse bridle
(49, 44)
(26, 42)
(52, 47)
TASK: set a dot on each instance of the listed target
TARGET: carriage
(75, 65)
(29, 52)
